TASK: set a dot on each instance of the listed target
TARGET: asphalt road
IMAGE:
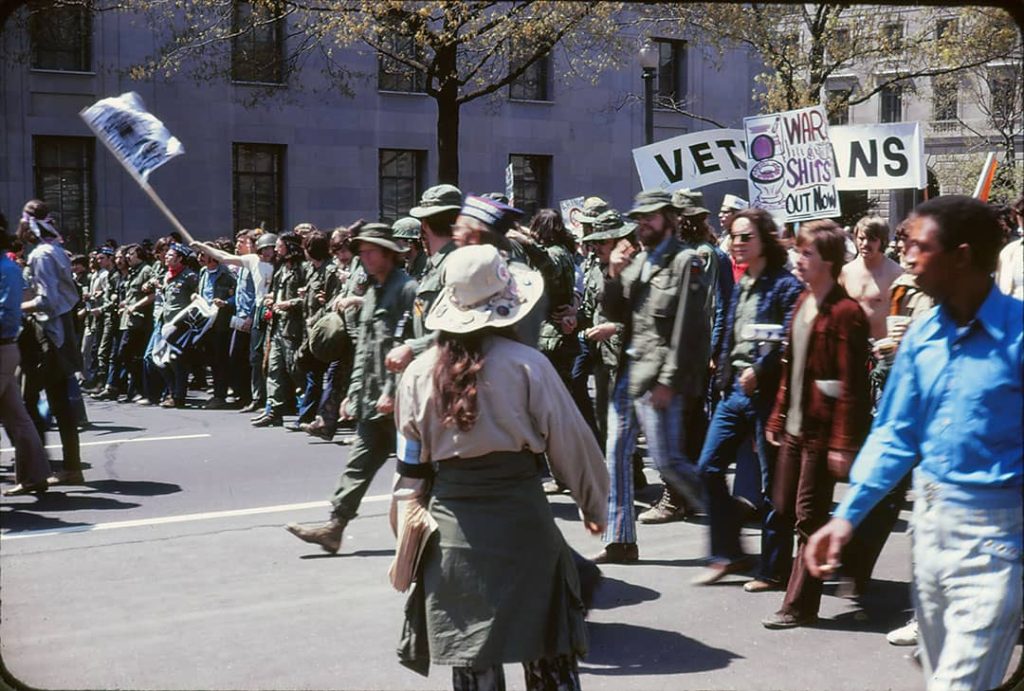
(170, 569)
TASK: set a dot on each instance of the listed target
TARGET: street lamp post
(649, 64)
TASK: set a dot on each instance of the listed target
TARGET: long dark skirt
(498, 582)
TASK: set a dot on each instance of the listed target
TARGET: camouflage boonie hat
(437, 199)
(407, 228)
(649, 201)
(592, 208)
(609, 226)
(377, 234)
(689, 202)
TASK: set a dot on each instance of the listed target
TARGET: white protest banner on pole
(792, 171)
(879, 157)
(510, 190)
(138, 140)
(692, 160)
(571, 209)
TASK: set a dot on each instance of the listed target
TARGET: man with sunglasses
(748, 372)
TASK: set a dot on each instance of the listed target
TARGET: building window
(532, 85)
(531, 182)
(1006, 93)
(891, 98)
(257, 175)
(401, 182)
(946, 28)
(892, 34)
(257, 48)
(671, 82)
(395, 75)
(838, 106)
(63, 179)
(944, 98)
(840, 45)
(61, 38)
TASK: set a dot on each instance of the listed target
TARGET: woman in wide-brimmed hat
(498, 585)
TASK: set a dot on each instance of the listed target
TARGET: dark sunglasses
(742, 237)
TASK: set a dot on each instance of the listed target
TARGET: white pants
(967, 589)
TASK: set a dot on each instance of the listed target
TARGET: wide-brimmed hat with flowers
(482, 290)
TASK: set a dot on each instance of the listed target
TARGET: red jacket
(837, 350)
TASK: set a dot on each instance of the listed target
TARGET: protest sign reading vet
(692, 160)
(879, 157)
(571, 209)
(791, 168)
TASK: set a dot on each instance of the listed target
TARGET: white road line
(185, 518)
(128, 441)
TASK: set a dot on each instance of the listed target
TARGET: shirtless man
(869, 277)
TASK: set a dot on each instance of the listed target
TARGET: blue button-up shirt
(953, 406)
(11, 288)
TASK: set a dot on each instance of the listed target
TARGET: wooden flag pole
(145, 187)
(988, 173)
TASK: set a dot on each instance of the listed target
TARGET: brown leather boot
(327, 535)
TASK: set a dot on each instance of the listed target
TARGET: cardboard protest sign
(571, 209)
(883, 156)
(791, 167)
(692, 160)
(134, 134)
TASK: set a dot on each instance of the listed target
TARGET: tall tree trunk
(447, 117)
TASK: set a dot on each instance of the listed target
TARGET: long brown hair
(459, 360)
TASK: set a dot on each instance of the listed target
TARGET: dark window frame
(890, 104)
(257, 70)
(61, 49)
(1004, 92)
(531, 182)
(245, 182)
(534, 84)
(945, 108)
(894, 31)
(842, 117)
(78, 231)
(670, 82)
(394, 76)
(391, 182)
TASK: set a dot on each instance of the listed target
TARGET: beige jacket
(523, 405)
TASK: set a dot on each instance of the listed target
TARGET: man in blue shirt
(953, 409)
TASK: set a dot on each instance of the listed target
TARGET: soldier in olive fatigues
(136, 321)
(385, 319)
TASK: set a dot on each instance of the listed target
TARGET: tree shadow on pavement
(625, 649)
(134, 488)
(612, 593)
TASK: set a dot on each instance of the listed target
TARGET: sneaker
(553, 487)
(269, 421)
(785, 620)
(215, 403)
(666, 510)
(66, 477)
(759, 586)
(904, 635)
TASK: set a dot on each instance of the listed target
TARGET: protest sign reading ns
(879, 157)
(692, 160)
(791, 169)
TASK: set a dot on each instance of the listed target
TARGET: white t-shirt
(1010, 274)
(261, 272)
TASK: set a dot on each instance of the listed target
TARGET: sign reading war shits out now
(790, 169)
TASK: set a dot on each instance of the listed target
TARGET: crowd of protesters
(762, 347)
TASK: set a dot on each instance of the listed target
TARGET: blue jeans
(967, 587)
(735, 419)
(664, 431)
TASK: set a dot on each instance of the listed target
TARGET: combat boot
(327, 535)
(671, 507)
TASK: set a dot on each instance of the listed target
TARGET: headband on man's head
(40, 226)
(109, 251)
